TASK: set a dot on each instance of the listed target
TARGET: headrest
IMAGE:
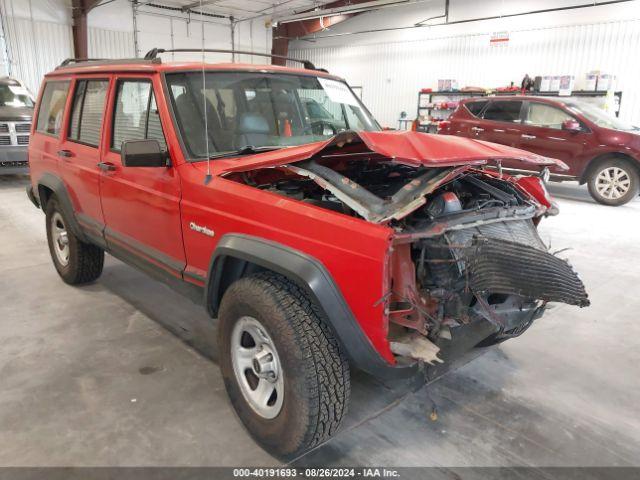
(252, 123)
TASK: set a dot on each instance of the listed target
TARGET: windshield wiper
(246, 150)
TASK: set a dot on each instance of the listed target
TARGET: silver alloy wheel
(613, 183)
(60, 239)
(256, 366)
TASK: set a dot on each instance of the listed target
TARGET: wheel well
(44, 194)
(227, 270)
(607, 156)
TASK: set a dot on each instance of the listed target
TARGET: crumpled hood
(409, 147)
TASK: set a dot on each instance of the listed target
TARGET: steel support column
(80, 31)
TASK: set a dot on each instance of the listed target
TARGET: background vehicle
(383, 251)
(16, 110)
(600, 150)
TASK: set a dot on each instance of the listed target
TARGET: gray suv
(16, 111)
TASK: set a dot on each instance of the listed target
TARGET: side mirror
(571, 126)
(142, 153)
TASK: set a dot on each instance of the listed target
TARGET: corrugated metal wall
(392, 73)
(35, 47)
(110, 43)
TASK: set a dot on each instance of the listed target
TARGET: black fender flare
(58, 188)
(311, 275)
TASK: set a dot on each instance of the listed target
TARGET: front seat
(252, 130)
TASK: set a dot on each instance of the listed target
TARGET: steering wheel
(317, 127)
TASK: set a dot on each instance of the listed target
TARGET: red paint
(154, 207)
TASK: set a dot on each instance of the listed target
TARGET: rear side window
(136, 114)
(87, 111)
(51, 108)
(476, 107)
(503, 111)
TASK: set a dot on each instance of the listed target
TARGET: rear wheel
(76, 262)
(283, 369)
(614, 182)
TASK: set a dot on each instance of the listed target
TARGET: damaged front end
(466, 265)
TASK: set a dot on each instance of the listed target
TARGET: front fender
(311, 275)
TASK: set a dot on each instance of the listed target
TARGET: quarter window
(542, 115)
(87, 111)
(503, 111)
(51, 108)
(136, 114)
(475, 107)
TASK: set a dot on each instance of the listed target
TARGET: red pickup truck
(319, 244)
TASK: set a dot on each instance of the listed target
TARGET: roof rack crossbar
(67, 61)
(153, 53)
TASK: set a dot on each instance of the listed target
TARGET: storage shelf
(555, 93)
(493, 93)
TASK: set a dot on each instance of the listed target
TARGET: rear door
(501, 122)
(466, 120)
(79, 151)
(45, 142)
(542, 133)
(141, 205)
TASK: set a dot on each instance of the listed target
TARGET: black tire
(315, 371)
(85, 261)
(630, 172)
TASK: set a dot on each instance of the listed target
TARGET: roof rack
(68, 61)
(153, 54)
(106, 61)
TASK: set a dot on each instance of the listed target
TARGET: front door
(79, 151)
(141, 205)
(542, 133)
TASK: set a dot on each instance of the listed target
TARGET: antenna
(208, 177)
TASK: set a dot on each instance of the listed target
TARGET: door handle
(106, 166)
(528, 137)
(65, 153)
(477, 129)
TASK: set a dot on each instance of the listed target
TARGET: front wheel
(283, 369)
(614, 182)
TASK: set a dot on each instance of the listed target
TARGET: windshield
(261, 110)
(599, 117)
(14, 96)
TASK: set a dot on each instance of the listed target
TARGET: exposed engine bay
(466, 248)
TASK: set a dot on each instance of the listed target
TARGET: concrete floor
(107, 374)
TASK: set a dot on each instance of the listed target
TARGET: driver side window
(136, 115)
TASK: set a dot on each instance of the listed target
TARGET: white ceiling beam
(328, 12)
(203, 3)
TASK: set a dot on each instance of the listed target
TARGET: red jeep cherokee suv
(319, 244)
(599, 149)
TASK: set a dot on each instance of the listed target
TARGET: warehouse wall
(172, 29)
(36, 38)
(36, 35)
(393, 65)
